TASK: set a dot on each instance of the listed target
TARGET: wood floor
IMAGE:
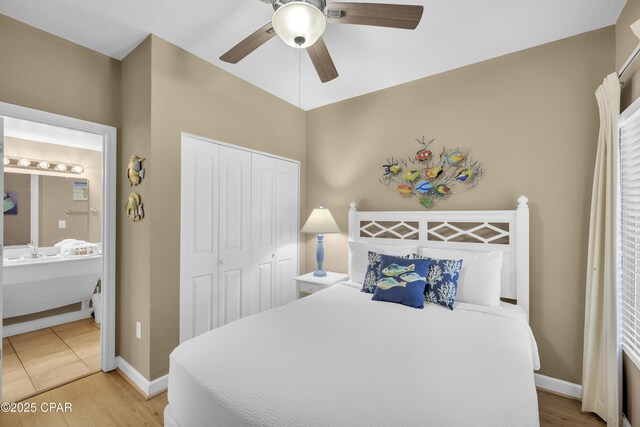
(101, 399)
(40, 360)
(106, 399)
(561, 411)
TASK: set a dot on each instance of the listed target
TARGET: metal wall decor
(135, 172)
(134, 208)
(430, 179)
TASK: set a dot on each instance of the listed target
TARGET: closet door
(263, 234)
(286, 230)
(199, 238)
(234, 234)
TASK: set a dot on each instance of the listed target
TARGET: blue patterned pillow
(442, 281)
(402, 280)
(373, 271)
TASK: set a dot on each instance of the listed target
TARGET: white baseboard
(45, 322)
(149, 388)
(558, 386)
(625, 421)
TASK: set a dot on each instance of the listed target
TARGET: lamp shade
(320, 222)
(299, 24)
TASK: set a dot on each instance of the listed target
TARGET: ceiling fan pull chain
(299, 77)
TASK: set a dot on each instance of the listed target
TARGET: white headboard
(507, 231)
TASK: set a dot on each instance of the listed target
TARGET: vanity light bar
(22, 163)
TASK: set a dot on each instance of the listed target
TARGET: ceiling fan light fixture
(299, 24)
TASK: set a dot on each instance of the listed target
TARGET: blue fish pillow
(442, 281)
(373, 271)
(402, 280)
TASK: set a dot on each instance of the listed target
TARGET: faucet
(34, 250)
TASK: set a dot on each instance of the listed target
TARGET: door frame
(109, 173)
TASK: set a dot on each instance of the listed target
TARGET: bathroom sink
(28, 259)
(16, 260)
(37, 284)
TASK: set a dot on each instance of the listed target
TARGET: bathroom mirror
(43, 210)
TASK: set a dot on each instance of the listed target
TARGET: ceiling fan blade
(248, 45)
(377, 14)
(322, 61)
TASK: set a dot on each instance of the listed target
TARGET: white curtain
(601, 390)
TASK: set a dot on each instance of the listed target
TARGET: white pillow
(359, 256)
(479, 281)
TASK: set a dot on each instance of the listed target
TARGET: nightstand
(308, 283)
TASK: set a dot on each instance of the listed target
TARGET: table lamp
(319, 223)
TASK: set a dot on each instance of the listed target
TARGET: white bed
(337, 358)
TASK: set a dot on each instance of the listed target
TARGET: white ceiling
(41, 132)
(453, 33)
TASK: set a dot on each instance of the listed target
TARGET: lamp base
(320, 257)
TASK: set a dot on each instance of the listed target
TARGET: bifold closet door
(239, 234)
(263, 234)
(199, 311)
(286, 230)
(234, 235)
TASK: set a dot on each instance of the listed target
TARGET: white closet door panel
(235, 232)
(204, 315)
(287, 230)
(286, 271)
(232, 283)
(263, 244)
(265, 286)
(198, 237)
(204, 210)
(287, 199)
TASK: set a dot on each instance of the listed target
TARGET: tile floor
(40, 360)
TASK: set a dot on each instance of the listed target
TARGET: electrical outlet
(139, 330)
(62, 224)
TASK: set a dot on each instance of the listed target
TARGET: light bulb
(6, 161)
(24, 163)
(44, 164)
(61, 167)
(299, 24)
(77, 169)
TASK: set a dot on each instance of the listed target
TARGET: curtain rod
(630, 60)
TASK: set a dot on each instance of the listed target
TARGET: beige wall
(56, 197)
(191, 95)
(91, 161)
(45, 72)
(17, 228)
(134, 238)
(531, 117)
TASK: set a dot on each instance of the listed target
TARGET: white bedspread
(336, 358)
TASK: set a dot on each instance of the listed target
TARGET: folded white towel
(73, 247)
(66, 242)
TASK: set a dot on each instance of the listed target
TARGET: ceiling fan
(301, 23)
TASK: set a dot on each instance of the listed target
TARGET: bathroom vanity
(49, 281)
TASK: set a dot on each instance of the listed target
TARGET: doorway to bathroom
(58, 237)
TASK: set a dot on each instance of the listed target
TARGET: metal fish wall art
(432, 179)
(134, 208)
(135, 171)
